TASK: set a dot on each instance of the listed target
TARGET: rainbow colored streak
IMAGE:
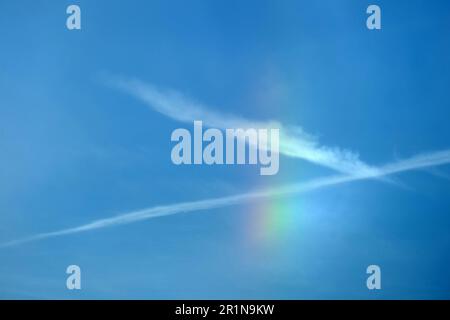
(274, 222)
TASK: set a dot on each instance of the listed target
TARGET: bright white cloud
(294, 142)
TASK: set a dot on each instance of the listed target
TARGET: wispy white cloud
(417, 162)
(294, 141)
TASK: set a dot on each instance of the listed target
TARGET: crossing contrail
(417, 162)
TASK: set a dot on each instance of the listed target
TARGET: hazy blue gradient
(74, 149)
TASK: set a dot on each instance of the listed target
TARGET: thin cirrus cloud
(420, 161)
(294, 142)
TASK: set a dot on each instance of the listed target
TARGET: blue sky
(76, 149)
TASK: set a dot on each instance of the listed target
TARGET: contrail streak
(416, 162)
(294, 141)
